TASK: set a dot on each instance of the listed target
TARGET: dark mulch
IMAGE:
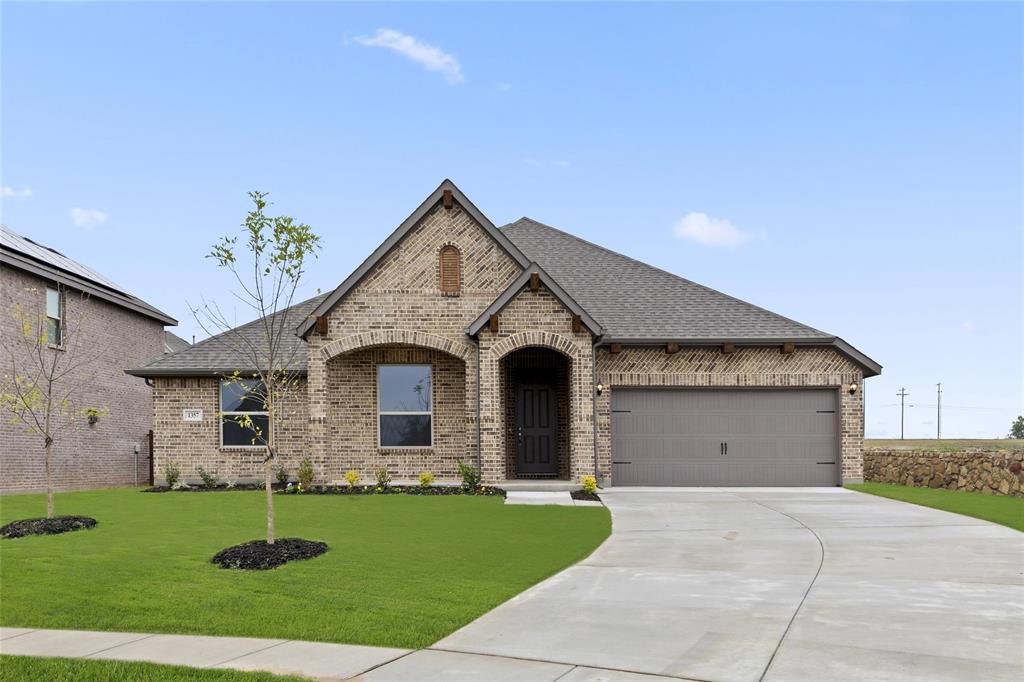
(204, 489)
(397, 490)
(584, 495)
(54, 526)
(259, 556)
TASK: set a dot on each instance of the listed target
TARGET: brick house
(536, 355)
(117, 328)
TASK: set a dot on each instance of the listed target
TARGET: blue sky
(857, 167)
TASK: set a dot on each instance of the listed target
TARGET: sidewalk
(317, 660)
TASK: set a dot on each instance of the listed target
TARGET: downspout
(593, 390)
(479, 449)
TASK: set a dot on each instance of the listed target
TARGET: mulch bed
(54, 526)
(584, 495)
(259, 556)
(340, 490)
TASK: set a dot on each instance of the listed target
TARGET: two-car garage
(725, 437)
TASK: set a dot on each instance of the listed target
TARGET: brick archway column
(580, 421)
(316, 389)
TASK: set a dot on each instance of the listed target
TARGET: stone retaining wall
(991, 473)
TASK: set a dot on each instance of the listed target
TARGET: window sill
(242, 448)
(56, 346)
(403, 448)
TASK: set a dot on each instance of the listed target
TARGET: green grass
(402, 571)
(946, 444)
(1007, 511)
(32, 669)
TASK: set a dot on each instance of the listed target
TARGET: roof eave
(16, 260)
(153, 372)
(395, 237)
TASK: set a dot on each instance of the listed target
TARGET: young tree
(1017, 428)
(267, 269)
(47, 368)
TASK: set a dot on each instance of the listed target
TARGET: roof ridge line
(671, 274)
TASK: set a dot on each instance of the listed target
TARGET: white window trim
(60, 316)
(429, 412)
(220, 423)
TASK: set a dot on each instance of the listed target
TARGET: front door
(536, 430)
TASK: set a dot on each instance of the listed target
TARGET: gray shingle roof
(23, 253)
(215, 356)
(633, 300)
(174, 343)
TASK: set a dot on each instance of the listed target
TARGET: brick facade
(397, 313)
(101, 455)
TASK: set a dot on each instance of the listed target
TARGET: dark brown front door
(536, 430)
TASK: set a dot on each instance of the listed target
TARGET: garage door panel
(675, 437)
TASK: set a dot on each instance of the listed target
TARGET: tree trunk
(49, 479)
(267, 471)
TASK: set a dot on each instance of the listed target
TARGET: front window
(244, 421)
(54, 316)
(404, 406)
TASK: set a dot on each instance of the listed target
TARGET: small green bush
(589, 484)
(172, 473)
(470, 475)
(426, 479)
(305, 474)
(383, 478)
(209, 479)
(282, 475)
(352, 478)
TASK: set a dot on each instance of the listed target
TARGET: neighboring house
(173, 343)
(537, 355)
(120, 329)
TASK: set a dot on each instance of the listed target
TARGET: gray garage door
(724, 437)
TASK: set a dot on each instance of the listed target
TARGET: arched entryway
(535, 400)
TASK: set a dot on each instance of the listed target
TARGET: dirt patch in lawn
(259, 556)
(54, 526)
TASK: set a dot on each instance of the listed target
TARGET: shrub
(282, 475)
(305, 474)
(589, 484)
(229, 484)
(209, 479)
(383, 478)
(172, 473)
(426, 479)
(470, 475)
(352, 478)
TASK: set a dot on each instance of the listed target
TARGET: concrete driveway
(752, 584)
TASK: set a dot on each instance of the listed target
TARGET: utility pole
(938, 420)
(902, 394)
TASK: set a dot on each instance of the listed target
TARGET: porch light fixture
(599, 388)
(853, 388)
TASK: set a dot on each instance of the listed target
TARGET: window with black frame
(244, 421)
(404, 406)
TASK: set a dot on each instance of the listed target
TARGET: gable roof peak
(432, 200)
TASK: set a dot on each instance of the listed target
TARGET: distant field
(946, 444)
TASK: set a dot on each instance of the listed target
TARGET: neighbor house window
(244, 421)
(404, 406)
(54, 316)
(450, 261)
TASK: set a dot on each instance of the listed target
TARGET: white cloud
(709, 231)
(87, 218)
(546, 163)
(429, 57)
(11, 193)
(967, 326)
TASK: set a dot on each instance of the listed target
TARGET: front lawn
(402, 571)
(32, 669)
(1008, 511)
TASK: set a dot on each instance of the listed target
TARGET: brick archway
(556, 342)
(392, 337)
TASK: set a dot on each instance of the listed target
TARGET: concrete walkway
(702, 584)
